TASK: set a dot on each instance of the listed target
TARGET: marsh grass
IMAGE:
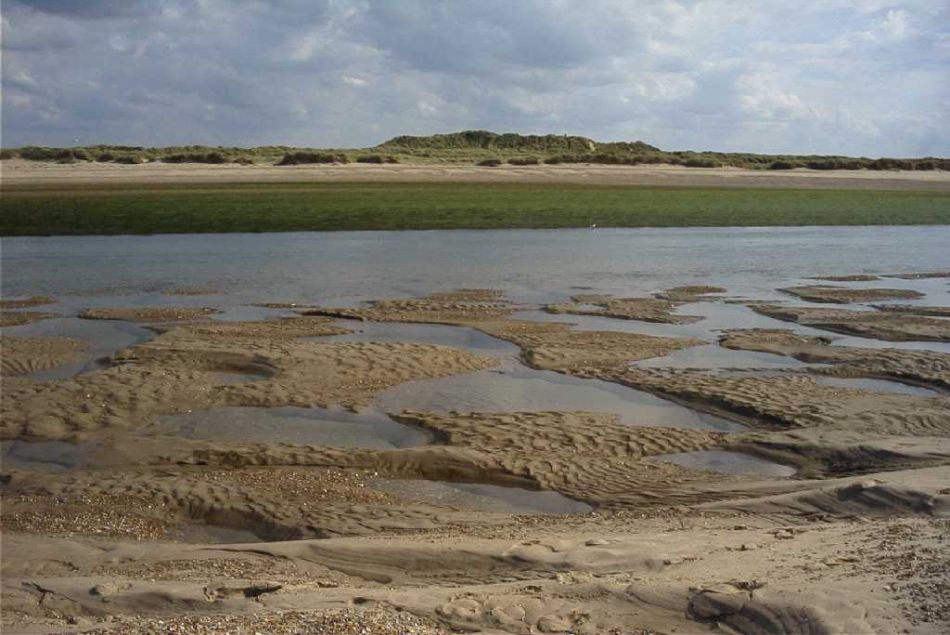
(250, 207)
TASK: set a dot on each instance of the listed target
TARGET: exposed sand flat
(553, 346)
(25, 303)
(913, 309)
(795, 401)
(689, 293)
(18, 318)
(901, 492)
(22, 355)
(856, 277)
(928, 368)
(586, 456)
(920, 275)
(643, 309)
(148, 314)
(894, 327)
(448, 307)
(855, 542)
(175, 373)
(544, 345)
(844, 295)
(20, 173)
(186, 291)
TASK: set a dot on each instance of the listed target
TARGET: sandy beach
(19, 174)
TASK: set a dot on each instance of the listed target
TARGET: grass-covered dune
(255, 207)
(472, 146)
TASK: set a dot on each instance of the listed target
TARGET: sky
(856, 77)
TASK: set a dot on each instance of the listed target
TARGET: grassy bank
(361, 206)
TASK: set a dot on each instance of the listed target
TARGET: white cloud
(835, 76)
(354, 81)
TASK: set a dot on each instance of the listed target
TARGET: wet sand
(833, 517)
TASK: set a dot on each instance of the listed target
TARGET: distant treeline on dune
(477, 147)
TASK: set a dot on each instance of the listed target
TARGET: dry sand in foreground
(20, 173)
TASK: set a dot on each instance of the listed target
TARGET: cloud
(820, 76)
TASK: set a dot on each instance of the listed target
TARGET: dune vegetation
(472, 146)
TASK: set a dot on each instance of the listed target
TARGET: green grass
(359, 206)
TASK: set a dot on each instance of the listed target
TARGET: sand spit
(913, 309)
(643, 309)
(18, 318)
(175, 372)
(894, 327)
(925, 368)
(844, 295)
(22, 355)
(148, 314)
(26, 303)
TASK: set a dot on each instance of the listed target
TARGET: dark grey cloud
(823, 76)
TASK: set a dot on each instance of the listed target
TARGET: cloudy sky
(861, 77)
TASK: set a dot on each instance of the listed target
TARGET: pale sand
(857, 547)
(20, 173)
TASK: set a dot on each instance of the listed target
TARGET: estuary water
(531, 265)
